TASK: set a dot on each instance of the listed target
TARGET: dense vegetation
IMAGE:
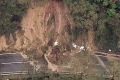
(11, 12)
(101, 17)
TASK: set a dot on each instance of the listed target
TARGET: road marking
(15, 63)
(101, 62)
(19, 62)
(101, 52)
(7, 54)
(101, 56)
(16, 73)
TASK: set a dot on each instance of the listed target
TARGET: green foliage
(93, 15)
(106, 38)
(11, 15)
(107, 34)
(83, 15)
(81, 11)
(86, 14)
(111, 7)
(111, 12)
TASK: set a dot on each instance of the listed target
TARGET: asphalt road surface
(102, 60)
(13, 63)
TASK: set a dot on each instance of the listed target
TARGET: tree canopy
(102, 17)
(99, 16)
(11, 12)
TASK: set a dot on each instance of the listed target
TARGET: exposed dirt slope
(32, 30)
(35, 31)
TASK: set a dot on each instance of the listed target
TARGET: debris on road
(74, 45)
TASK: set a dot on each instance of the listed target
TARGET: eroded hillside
(41, 26)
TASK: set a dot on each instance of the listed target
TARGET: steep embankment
(32, 30)
(58, 11)
(41, 27)
(36, 32)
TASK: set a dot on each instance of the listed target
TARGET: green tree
(11, 12)
(84, 16)
(98, 18)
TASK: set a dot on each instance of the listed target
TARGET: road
(102, 59)
(13, 63)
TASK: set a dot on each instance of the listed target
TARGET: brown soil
(36, 34)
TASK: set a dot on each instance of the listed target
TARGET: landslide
(41, 26)
(31, 29)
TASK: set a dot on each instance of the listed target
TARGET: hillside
(70, 35)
